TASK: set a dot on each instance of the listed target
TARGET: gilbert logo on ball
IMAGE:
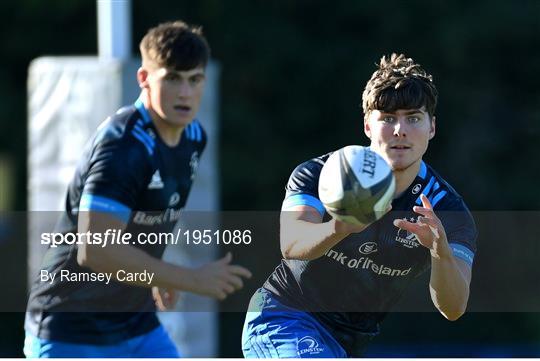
(356, 185)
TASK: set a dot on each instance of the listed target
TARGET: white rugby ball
(356, 185)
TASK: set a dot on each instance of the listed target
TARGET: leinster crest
(406, 238)
(194, 164)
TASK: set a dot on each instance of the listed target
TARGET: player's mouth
(183, 109)
(400, 147)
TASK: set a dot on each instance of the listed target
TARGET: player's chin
(180, 122)
(181, 118)
(399, 165)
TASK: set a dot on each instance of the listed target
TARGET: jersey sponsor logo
(367, 264)
(156, 182)
(194, 164)
(175, 198)
(416, 188)
(368, 248)
(145, 219)
(308, 345)
(406, 238)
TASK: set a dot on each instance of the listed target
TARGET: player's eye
(414, 120)
(195, 80)
(172, 77)
(388, 119)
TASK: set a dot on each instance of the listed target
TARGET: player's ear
(432, 129)
(142, 78)
(367, 129)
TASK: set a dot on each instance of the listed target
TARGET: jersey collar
(144, 112)
(423, 170)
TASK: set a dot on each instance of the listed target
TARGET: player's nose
(400, 128)
(184, 90)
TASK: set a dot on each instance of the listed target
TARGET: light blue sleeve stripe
(437, 198)
(462, 252)
(199, 131)
(188, 132)
(426, 190)
(193, 131)
(428, 187)
(90, 202)
(145, 135)
(143, 141)
(303, 200)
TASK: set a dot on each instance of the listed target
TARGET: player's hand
(220, 278)
(428, 228)
(165, 298)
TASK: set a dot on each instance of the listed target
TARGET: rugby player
(135, 175)
(337, 281)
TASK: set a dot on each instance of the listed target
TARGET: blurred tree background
(292, 77)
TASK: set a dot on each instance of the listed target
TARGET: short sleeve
(302, 187)
(118, 171)
(459, 226)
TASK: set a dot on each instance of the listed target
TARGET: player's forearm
(448, 287)
(307, 241)
(121, 257)
(114, 258)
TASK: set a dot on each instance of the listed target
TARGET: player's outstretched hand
(428, 228)
(220, 278)
(165, 298)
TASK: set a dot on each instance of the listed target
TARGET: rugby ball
(356, 185)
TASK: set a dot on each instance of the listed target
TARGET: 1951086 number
(227, 237)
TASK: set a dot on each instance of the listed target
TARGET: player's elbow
(286, 245)
(291, 251)
(286, 251)
(87, 256)
(453, 315)
(288, 254)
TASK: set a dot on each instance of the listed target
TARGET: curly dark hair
(175, 45)
(399, 83)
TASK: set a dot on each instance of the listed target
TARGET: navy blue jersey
(353, 286)
(129, 172)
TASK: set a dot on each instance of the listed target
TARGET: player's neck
(169, 135)
(404, 177)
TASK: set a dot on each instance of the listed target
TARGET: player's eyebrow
(412, 111)
(199, 74)
(405, 112)
(186, 73)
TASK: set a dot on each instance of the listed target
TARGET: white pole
(114, 29)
